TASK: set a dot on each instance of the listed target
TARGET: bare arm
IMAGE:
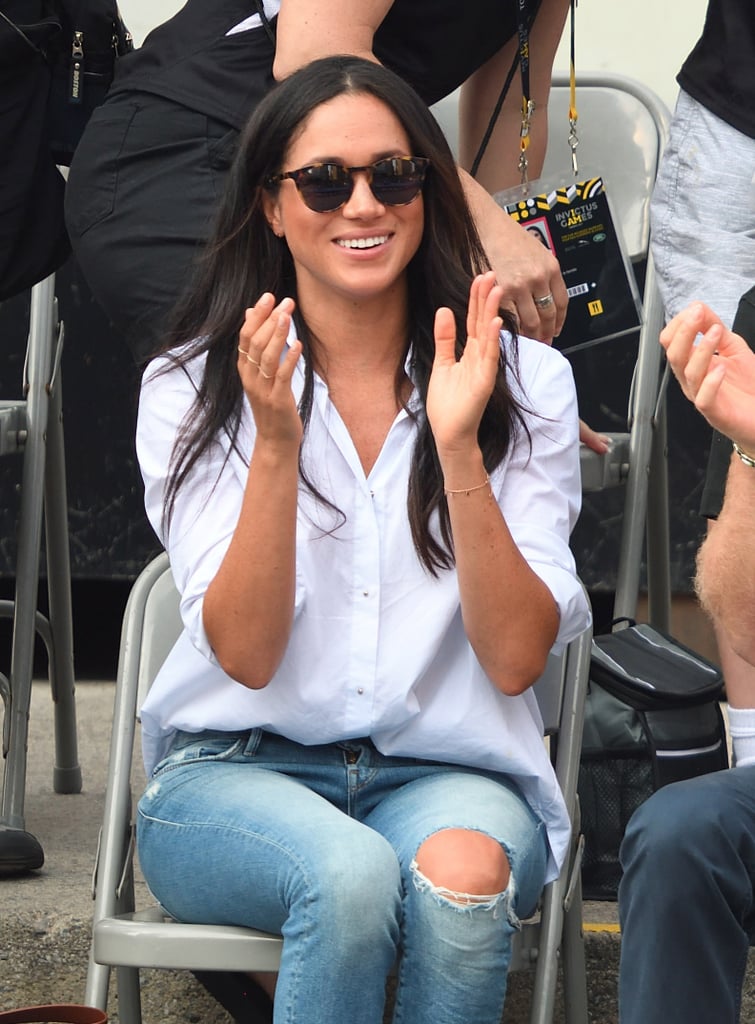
(726, 569)
(510, 616)
(716, 371)
(249, 605)
(309, 29)
(537, 272)
(479, 94)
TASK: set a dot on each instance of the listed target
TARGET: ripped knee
(462, 866)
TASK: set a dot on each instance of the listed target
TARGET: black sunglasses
(327, 187)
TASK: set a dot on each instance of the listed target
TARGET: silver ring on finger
(545, 301)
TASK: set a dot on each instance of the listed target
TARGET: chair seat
(149, 938)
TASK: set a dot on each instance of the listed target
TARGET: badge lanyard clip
(573, 116)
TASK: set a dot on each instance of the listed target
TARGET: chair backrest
(161, 624)
(622, 131)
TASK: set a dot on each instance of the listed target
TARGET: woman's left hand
(459, 389)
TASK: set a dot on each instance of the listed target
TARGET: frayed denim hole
(470, 902)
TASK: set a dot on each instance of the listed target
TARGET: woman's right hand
(266, 372)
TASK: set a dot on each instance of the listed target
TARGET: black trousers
(720, 448)
(142, 191)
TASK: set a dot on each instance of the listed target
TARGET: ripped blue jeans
(319, 843)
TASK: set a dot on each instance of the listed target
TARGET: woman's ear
(272, 215)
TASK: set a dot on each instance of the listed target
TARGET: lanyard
(528, 106)
(522, 58)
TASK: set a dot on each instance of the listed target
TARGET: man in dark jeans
(687, 896)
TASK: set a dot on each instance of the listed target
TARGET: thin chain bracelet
(468, 490)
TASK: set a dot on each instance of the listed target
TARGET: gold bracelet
(468, 490)
(749, 460)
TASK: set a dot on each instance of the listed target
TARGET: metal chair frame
(33, 427)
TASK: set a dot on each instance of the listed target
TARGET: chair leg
(43, 476)
(573, 959)
(41, 329)
(129, 995)
(67, 772)
(546, 966)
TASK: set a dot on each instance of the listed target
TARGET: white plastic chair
(623, 127)
(129, 939)
(32, 425)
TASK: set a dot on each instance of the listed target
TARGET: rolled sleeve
(539, 490)
(205, 516)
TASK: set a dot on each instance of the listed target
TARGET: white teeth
(362, 243)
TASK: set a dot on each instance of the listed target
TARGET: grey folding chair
(623, 128)
(32, 425)
(128, 939)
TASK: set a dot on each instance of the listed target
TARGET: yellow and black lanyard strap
(528, 106)
(522, 58)
(573, 116)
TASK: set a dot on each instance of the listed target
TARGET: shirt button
(365, 593)
(360, 690)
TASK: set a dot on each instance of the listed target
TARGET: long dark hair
(244, 259)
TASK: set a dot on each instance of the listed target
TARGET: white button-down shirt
(378, 646)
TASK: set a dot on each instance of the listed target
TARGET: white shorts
(703, 212)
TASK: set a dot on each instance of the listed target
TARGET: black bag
(652, 716)
(57, 60)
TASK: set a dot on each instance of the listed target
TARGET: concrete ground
(45, 917)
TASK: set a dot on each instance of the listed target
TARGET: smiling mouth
(362, 243)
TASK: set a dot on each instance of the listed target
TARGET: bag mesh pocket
(611, 788)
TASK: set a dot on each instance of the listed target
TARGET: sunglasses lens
(398, 181)
(325, 187)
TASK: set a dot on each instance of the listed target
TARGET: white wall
(646, 39)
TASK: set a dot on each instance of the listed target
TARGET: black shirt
(720, 71)
(433, 44)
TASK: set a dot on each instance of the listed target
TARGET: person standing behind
(703, 213)
(687, 896)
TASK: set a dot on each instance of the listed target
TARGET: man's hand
(716, 371)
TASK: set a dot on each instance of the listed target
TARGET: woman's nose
(362, 201)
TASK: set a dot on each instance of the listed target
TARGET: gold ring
(267, 376)
(248, 357)
(545, 301)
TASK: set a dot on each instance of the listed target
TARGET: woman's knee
(463, 864)
(357, 874)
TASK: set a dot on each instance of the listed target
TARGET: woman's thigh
(233, 843)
